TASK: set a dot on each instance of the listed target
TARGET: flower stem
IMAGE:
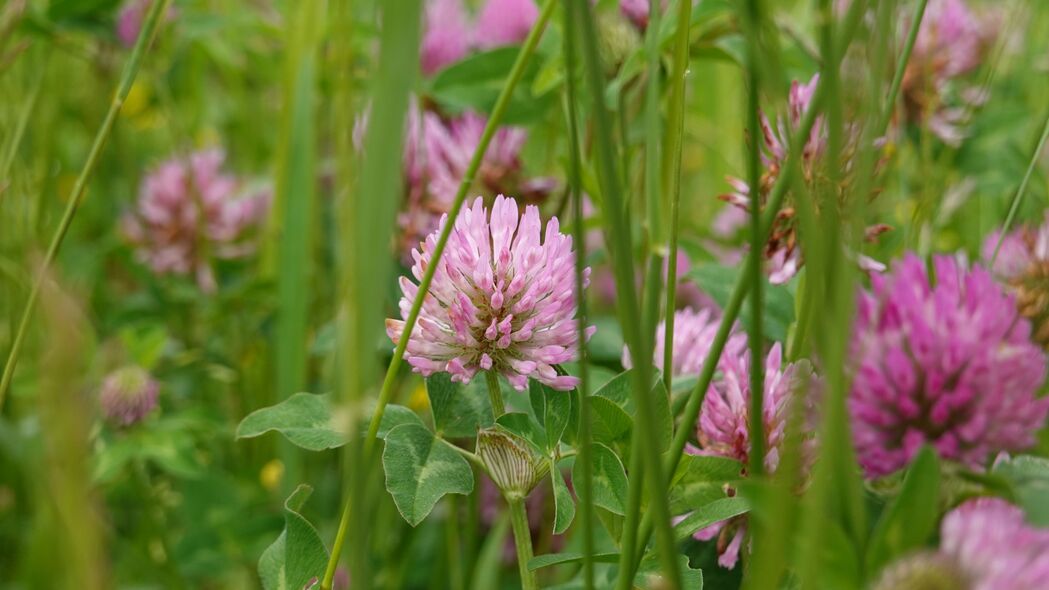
(495, 393)
(1021, 190)
(127, 78)
(522, 542)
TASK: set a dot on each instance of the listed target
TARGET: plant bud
(513, 464)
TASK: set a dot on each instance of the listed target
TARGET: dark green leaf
(475, 82)
(609, 479)
(458, 411)
(910, 520)
(718, 281)
(610, 422)
(564, 505)
(552, 408)
(649, 576)
(704, 516)
(524, 426)
(550, 559)
(1029, 476)
(420, 469)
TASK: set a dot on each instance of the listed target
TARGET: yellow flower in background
(271, 474)
(137, 100)
(419, 401)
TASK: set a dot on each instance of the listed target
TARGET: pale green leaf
(421, 469)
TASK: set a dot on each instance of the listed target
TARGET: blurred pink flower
(128, 395)
(504, 22)
(1022, 266)
(636, 11)
(500, 300)
(447, 37)
(129, 20)
(724, 431)
(189, 212)
(693, 335)
(948, 364)
(995, 549)
(953, 41)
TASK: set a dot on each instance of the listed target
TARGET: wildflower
(990, 542)
(636, 11)
(953, 41)
(948, 364)
(500, 300)
(447, 36)
(505, 22)
(188, 212)
(782, 254)
(1023, 266)
(693, 335)
(130, 17)
(724, 428)
(927, 570)
(128, 395)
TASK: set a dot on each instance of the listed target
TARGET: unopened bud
(512, 462)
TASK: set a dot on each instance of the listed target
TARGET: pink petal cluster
(990, 542)
(188, 212)
(449, 35)
(948, 363)
(1022, 265)
(693, 336)
(724, 428)
(501, 299)
(953, 41)
(128, 395)
(636, 11)
(437, 155)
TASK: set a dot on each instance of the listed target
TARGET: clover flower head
(128, 395)
(505, 22)
(447, 36)
(948, 363)
(189, 212)
(502, 299)
(694, 333)
(1022, 265)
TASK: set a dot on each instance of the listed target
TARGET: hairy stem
(522, 542)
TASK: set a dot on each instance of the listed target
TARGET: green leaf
(704, 516)
(524, 426)
(910, 520)
(606, 345)
(552, 408)
(609, 479)
(564, 505)
(609, 422)
(618, 390)
(458, 411)
(394, 416)
(420, 469)
(649, 574)
(305, 419)
(474, 84)
(551, 559)
(700, 480)
(718, 281)
(1029, 477)
(298, 555)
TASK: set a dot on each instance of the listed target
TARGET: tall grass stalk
(366, 214)
(614, 215)
(296, 193)
(1022, 189)
(585, 484)
(127, 78)
(672, 149)
(382, 170)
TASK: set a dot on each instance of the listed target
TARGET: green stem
(901, 67)
(127, 78)
(498, 110)
(522, 542)
(584, 485)
(455, 546)
(672, 178)
(1018, 197)
(752, 16)
(495, 393)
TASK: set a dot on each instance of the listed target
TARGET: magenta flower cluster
(502, 299)
(449, 36)
(694, 333)
(946, 362)
(994, 548)
(724, 431)
(1022, 264)
(189, 211)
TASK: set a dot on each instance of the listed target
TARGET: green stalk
(455, 544)
(522, 542)
(127, 78)
(752, 16)
(585, 485)
(672, 177)
(501, 103)
(901, 66)
(1022, 189)
(619, 243)
(495, 393)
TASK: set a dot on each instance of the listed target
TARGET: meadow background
(289, 92)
